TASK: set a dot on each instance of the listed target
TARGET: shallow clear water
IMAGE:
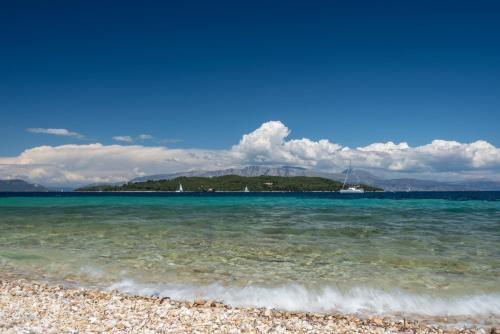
(434, 253)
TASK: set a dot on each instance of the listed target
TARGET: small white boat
(180, 190)
(351, 189)
(246, 189)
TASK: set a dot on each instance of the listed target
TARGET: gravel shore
(30, 307)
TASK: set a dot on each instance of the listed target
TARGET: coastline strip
(27, 306)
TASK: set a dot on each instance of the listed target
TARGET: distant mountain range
(20, 186)
(357, 176)
(246, 171)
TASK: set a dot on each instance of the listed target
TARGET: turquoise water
(430, 254)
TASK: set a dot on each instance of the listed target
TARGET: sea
(411, 254)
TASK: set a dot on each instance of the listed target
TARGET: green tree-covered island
(231, 183)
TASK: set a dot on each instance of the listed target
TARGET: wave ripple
(359, 300)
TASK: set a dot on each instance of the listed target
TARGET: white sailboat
(180, 190)
(246, 189)
(351, 189)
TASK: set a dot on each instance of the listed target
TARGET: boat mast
(347, 174)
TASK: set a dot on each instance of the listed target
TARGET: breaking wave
(360, 300)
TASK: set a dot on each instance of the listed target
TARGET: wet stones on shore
(30, 307)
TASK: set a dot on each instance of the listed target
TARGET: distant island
(231, 183)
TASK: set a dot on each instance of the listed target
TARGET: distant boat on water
(246, 189)
(351, 189)
(180, 190)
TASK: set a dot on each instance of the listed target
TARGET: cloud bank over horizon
(77, 164)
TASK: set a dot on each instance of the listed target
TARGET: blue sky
(202, 74)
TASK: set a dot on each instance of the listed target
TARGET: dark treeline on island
(231, 183)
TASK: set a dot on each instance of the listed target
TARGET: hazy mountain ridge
(245, 171)
(357, 176)
(20, 186)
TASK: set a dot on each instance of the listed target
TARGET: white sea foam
(359, 300)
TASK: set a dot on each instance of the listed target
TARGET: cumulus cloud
(269, 144)
(55, 132)
(126, 139)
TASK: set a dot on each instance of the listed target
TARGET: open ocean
(422, 254)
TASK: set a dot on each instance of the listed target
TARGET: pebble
(11, 331)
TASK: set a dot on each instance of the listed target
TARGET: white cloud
(126, 139)
(269, 144)
(145, 137)
(166, 141)
(55, 132)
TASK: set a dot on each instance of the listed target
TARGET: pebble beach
(33, 307)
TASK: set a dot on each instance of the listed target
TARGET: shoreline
(32, 306)
(243, 192)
